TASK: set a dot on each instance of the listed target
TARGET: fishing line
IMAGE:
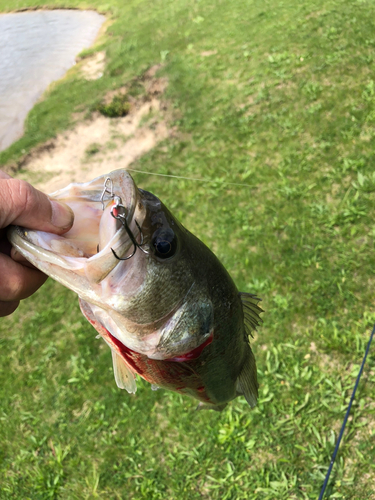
(346, 417)
(192, 179)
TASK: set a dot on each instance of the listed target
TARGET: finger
(3, 175)
(18, 257)
(5, 246)
(22, 204)
(17, 281)
(7, 308)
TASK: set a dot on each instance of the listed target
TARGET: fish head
(131, 261)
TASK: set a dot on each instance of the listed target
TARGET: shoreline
(40, 48)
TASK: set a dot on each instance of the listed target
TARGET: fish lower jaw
(49, 251)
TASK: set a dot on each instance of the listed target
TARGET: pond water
(36, 48)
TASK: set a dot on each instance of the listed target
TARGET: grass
(118, 106)
(276, 95)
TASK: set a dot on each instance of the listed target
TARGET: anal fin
(123, 375)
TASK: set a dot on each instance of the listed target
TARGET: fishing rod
(346, 418)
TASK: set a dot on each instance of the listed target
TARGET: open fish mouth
(97, 241)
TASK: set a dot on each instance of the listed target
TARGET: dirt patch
(101, 144)
(92, 67)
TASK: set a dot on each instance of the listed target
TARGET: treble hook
(108, 189)
(122, 219)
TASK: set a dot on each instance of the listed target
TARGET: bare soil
(101, 144)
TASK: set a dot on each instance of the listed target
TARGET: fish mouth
(93, 247)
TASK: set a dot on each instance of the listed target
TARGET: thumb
(22, 204)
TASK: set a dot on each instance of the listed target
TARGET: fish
(158, 296)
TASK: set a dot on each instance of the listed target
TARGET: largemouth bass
(159, 298)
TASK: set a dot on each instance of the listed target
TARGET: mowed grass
(279, 96)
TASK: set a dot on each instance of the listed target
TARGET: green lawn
(278, 95)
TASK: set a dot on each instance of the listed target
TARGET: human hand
(23, 205)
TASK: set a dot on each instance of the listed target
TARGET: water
(36, 48)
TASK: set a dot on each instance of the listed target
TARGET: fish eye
(165, 243)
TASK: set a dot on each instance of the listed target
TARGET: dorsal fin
(251, 311)
(247, 380)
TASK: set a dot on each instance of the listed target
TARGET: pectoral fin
(247, 381)
(123, 376)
